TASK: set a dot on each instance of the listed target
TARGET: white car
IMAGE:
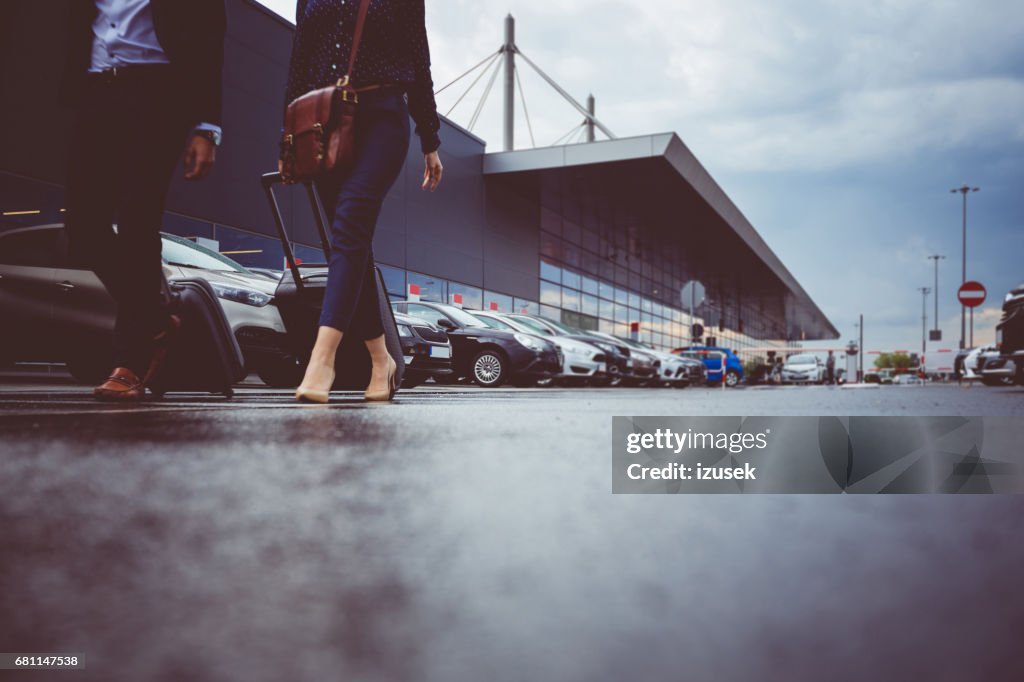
(972, 360)
(907, 380)
(247, 298)
(674, 370)
(803, 368)
(581, 361)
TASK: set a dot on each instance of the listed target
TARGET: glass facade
(592, 275)
(601, 268)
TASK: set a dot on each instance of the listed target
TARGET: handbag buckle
(318, 128)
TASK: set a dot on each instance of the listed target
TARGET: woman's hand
(431, 171)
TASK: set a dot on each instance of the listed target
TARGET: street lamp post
(964, 190)
(936, 257)
(924, 316)
(860, 357)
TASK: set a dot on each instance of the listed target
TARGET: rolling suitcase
(300, 296)
(204, 356)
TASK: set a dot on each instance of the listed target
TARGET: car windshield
(461, 316)
(802, 360)
(631, 343)
(495, 323)
(182, 252)
(564, 328)
(533, 325)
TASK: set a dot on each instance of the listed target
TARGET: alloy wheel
(487, 369)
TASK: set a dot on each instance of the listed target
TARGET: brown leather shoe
(161, 345)
(123, 385)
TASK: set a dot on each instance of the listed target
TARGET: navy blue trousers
(351, 304)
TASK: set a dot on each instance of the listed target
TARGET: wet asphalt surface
(462, 534)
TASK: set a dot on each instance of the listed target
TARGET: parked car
(712, 359)
(644, 366)
(680, 372)
(675, 370)
(54, 312)
(967, 363)
(617, 355)
(907, 380)
(426, 349)
(803, 368)
(581, 361)
(1009, 341)
(490, 357)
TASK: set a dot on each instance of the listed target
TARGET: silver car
(54, 312)
(675, 370)
(803, 368)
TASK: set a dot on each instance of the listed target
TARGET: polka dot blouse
(393, 49)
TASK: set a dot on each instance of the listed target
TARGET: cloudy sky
(838, 128)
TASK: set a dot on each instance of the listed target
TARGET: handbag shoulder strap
(364, 5)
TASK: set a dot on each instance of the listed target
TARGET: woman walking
(392, 76)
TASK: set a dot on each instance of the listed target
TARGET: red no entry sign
(971, 294)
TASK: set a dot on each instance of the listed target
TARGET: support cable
(493, 58)
(483, 99)
(522, 96)
(565, 135)
(467, 72)
(566, 95)
(574, 129)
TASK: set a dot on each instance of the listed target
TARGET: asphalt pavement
(470, 534)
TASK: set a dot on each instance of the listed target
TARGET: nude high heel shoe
(389, 392)
(312, 395)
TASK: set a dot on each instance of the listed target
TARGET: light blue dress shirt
(124, 34)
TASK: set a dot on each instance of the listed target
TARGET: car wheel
(731, 378)
(282, 372)
(89, 369)
(489, 368)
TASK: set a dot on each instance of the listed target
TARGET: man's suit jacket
(191, 33)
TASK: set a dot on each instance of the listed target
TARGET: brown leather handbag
(319, 127)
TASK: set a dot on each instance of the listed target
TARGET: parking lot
(467, 534)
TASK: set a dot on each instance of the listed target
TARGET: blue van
(710, 356)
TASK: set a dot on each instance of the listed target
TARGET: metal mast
(510, 81)
(505, 56)
(590, 119)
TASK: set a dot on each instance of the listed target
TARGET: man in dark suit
(144, 78)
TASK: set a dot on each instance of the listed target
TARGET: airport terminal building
(601, 234)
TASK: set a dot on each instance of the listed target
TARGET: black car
(1010, 341)
(490, 357)
(426, 349)
(618, 354)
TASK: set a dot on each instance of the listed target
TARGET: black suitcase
(300, 296)
(205, 355)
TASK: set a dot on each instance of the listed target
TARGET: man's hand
(200, 155)
(432, 171)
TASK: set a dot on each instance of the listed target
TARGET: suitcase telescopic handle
(269, 180)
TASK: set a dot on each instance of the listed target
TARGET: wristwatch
(211, 135)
